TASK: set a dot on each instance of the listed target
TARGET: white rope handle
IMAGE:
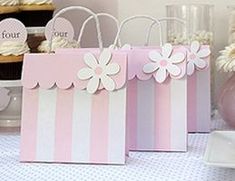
(83, 9)
(90, 18)
(181, 21)
(156, 21)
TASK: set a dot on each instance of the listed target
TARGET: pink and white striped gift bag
(157, 112)
(199, 89)
(61, 121)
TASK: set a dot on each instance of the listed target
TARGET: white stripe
(203, 101)
(145, 115)
(117, 127)
(46, 125)
(179, 115)
(81, 127)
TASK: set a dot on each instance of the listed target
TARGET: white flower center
(163, 63)
(98, 71)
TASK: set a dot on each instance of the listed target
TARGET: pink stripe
(192, 103)
(163, 116)
(63, 127)
(99, 127)
(132, 113)
(29, 125)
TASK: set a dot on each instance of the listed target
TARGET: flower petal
(155, 56)
(93, 85)
(160, 75)
(112, 69)
(167, 50)
(85, 73)
(90, 60)
(231, 64)
(203, 53)
(177, 58)
(190, 68)
(200, 63)
(174, 70)
(150, 68)
(195, 46)
(105, 57)
(108, 83)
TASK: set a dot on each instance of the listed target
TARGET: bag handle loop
(181, 21)
(90, 18)
(99, 36)
(125, 21)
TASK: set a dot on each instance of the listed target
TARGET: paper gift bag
(199, 91)
(74, 107)
(157, 97)
(157, 109)
(199, 81)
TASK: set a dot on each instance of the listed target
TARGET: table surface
(141, 166)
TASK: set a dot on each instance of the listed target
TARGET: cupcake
(57, 42)
(9, 9)
(36, 12)
(35, 36)
(11, 59)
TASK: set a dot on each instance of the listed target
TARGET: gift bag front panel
(61, 124)
(157, 112)
(73, 126)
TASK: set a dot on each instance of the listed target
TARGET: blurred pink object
(226, 101)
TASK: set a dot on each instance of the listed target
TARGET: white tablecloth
(140, 166)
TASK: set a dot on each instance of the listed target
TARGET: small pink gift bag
(199, 81)
(199, 88)
(157, 96)
(74, 106)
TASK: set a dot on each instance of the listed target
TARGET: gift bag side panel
(29, 124)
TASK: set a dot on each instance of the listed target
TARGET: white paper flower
(98, 71)
(164, 63)
(196, 57)
(226, 61)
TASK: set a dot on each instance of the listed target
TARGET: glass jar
(10, 105)
(199, 24)
(35, 36)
